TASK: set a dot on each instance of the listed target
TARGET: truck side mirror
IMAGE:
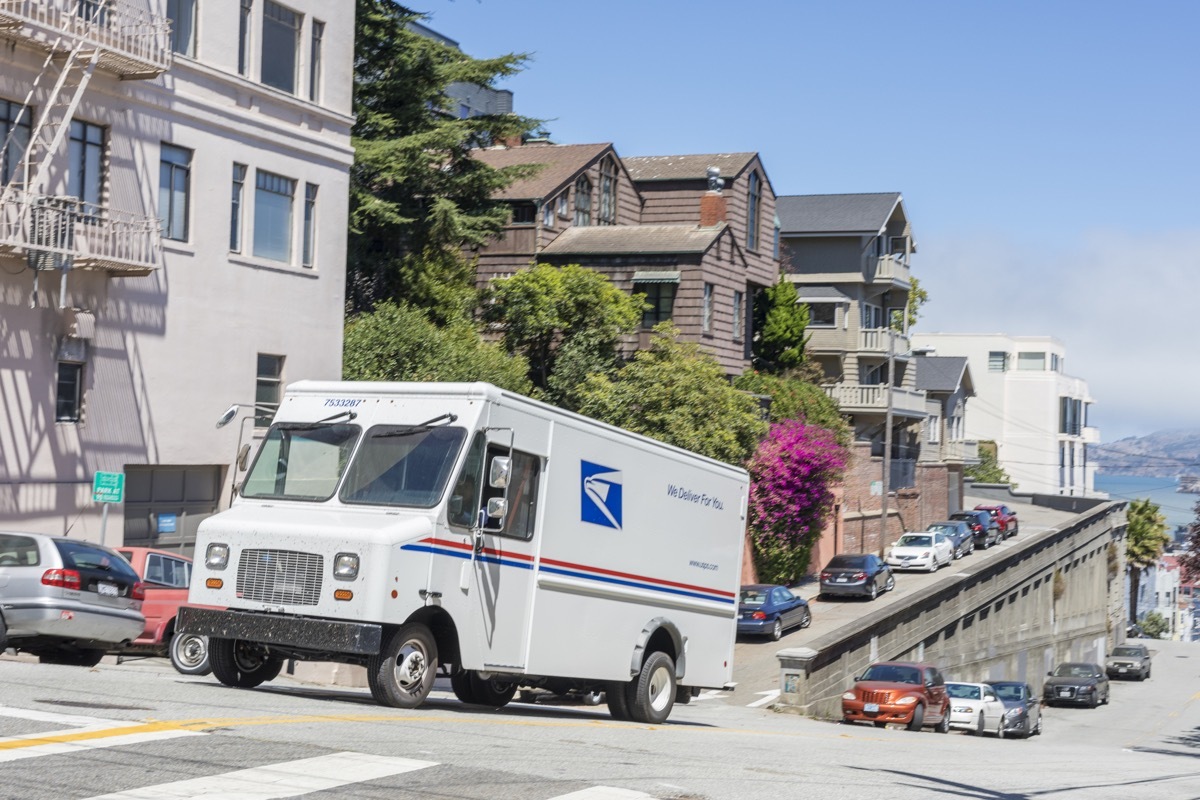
(499, 473)
(243, 456)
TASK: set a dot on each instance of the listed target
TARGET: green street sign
(108, 487)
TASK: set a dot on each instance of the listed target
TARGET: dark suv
(984, 529)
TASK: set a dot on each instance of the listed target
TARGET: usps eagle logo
(600, 500)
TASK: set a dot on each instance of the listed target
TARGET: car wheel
(1095, 700)
(189, 654)
(242, 664)
(978, 731)
(776, 631)
(494, 691)
(3, 635)
(873, 592)
(944, 725)
(464, 690)
(401, 674)
(652, 693)
(878, 723)
(1000, 728)
(918, 719)
(891, 583)
(1037, 729)
(806, 620)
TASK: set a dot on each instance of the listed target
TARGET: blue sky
(1048, 152)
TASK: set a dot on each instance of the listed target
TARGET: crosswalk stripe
(287, 779)
(604, 793)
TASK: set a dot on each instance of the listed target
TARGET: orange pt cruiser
(899, 692)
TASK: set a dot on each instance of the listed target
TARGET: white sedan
(927, 551)
(975, 708)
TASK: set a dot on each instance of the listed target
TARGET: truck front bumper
(306, 633)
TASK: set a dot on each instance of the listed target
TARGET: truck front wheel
(652, 693)
(189, 654)
(401, 674)
(242, 664)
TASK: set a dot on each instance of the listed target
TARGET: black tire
(879, 724)
(651, 695)
(615, 695)
(1037, 729)
(944, 725)
(918, 719)
(1095, 700)
(460, 682)
(3, 634)
(494, 691)
(85, 657)
(891, 583)
(776, 630)
(874, 590)
(1000, 728)
(242, 664)
(806, 620)
(401, 674)
(189, 654)
(978, 726)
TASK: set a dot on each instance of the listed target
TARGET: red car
(166, 576)
(1005, 517)
(900, 692)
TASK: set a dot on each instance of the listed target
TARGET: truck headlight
(216, 556)
(345, 566)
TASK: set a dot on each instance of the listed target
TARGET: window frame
(657, 295)
(606, 214)
(706, 310)
(246, 11)
(814, 322)
(998, 360)
(12, 118)
(74, 401)
(308, 247)
(168, 172)
(583, 201)
(173, 14)
(315, 60)
(81, 150)
(753, 209)
(261, 207)
(268, 387)
(739, 302)
(237, 204)
(277, 20)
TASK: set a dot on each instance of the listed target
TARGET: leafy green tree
(793, 398)
(1146, 538)
(1155, 625)
(988, 470)
(400, 343)
(779, 329)
(548, 312)
(917, 297)
(417, 197)
(1190, 560)
(676, 393)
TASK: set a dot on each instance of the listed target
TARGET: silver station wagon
(64, 600)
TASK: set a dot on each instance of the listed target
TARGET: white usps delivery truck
(414, 528)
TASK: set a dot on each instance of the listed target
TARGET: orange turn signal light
(214, 583)
(343, 594)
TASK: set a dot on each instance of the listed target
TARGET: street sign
(108, 487)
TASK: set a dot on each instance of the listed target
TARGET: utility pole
(887, 442)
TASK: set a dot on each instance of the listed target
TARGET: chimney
(712, 209)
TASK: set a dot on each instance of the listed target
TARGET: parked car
(1023, 708)
(769, 610)
(959, 533)
(901, 692)
(1128, 661)
(984, 530)
(1076, 683)
(66, 601)
(926, 551)
(1005, 517)
(166, 576)
(1134, 631)
(975, 708)
(862, 574)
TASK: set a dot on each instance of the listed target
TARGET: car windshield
(963, 691)
(1011, 692)
(845, 562)
(1073, 671)
(891, 673)
(915, 541)
(1135, 652)
(947, 529)
(753, 597)
(301, 461)
(403, 465)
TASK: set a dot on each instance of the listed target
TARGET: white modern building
(173, 221)
(1028, 405)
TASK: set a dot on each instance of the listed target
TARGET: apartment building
(1027, 403)
(173, 223)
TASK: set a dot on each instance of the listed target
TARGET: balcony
(960, 452)
(890, 269)
(132, 42)
(58, 232)
(855, 398)
(875, 340)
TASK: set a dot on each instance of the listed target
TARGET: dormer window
(524, 213)
(754, 200)
(608, 193)
(583, 201)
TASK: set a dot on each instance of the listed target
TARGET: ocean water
(1178, 507)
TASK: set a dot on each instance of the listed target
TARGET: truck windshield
(403, 465)
(301, 462)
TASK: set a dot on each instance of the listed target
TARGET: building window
(70, 392)
(706, 312)
(174, 189)
(822, 315)
(1071, 414)
(1055, 363)
(235, 208)
(1033, 362)
(310, 224)
(464, 111)
(661, 298)
(268, 389)
(608, 193)
(775, 242)
(314, 61)
(95, 11)
(247, 7)
(548, 215)
(14, 131)
(85, 180)
(753, 202)
(872, 316)
(524, 213)
(182, 14)
(564, 206)
(583, 201)
(935, 429)
(739, 302)
(997, 361)
(280, 46)
(273, 216)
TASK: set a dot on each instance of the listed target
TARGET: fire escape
(50, 230)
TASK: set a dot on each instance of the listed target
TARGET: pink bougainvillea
(791, 477)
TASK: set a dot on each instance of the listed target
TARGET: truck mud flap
(301, 632)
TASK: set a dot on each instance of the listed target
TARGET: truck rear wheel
(652, 694)
(460, 682)
(401, 674)
(242, 664)
(494, 691)
(618, 708)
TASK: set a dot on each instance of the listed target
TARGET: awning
(656, 276)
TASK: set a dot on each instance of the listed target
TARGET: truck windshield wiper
(420, 427)
(308, 426)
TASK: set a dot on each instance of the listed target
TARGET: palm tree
(1145, 539)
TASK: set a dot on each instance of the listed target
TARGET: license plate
(1064, 692)
(871, 708)
(1121, 669)
(841, 579)
(107, 589)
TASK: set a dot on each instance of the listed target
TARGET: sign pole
(103, 522)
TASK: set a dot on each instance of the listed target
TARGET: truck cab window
(465, 499)
(300, 462)
(522, 493)
(400, 465)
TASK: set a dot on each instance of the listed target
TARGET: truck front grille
(280, 576)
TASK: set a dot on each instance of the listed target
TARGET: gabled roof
(943, 374)
(563, 162)
(820, 294)
(634, 239)
(690, 167)
(836, 213)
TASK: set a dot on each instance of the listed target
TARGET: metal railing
(852, 397)
(134, 42)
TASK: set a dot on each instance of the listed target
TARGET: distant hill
(1165, 454)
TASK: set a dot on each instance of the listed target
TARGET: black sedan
(856, 574)
(769, 610)
(1022, 709)
(1076, 683)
